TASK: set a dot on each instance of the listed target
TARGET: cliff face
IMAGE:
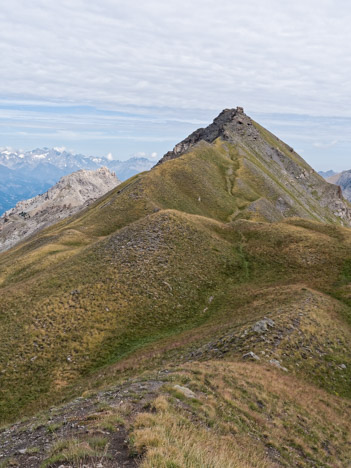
(280, 182)
(71, 194)
(343, 180)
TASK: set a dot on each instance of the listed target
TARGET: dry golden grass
(78, 452)
(243, 416)
(170, 440)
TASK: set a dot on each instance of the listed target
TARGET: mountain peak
(70, 194)
(228, 115)
(273, 179)
(227, 123)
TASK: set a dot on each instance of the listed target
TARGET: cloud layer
(273, 56)
(177, 60)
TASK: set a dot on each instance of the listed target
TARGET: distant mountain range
(327, 174)
(24, 175)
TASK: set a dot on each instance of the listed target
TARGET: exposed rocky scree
(285, 185)
(27, 443)
(71, 194)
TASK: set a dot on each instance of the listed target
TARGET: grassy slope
(241, 416)
(131, 280)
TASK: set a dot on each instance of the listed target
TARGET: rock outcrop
(72, 193)
(216, 129)
(343, 180)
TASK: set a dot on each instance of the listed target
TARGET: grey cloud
(269, 56)
(320, 144)
(169, 67)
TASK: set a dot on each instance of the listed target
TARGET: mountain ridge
(326, 174)
(64, 160)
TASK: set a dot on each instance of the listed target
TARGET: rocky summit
(270, 173)
(196, 315)
(71, 194)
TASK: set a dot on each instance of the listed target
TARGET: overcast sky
(136, 77)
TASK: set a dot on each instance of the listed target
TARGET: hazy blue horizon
(323, 141)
